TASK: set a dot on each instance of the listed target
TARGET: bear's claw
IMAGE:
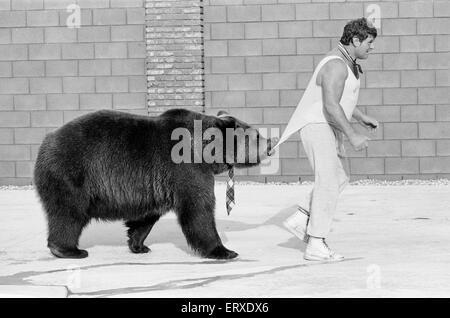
(220, 252)
(139, 249)
(68, 253)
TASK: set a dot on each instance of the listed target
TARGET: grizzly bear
(111, 165)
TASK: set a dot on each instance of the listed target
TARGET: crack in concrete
(198, 282)
(20, 277)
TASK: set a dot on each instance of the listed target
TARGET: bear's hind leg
(63, 236)
(138, 231)
(199, 228)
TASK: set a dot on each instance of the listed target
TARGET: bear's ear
(226, 120)
(222, 113)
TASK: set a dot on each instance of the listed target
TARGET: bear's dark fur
(111, 165)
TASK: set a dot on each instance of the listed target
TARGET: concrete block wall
(260, 54)
(50, 74)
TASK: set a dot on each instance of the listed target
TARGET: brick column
(175, 55)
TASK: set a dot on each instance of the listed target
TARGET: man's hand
(369, 122)
(359, 142)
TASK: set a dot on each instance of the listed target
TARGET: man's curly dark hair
(359, 28)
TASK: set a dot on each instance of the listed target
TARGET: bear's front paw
(220, 252)
(139, 249)
(68, 253)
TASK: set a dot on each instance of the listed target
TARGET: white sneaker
(318, 250)
(297, 223)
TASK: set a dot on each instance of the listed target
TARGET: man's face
(362, 49)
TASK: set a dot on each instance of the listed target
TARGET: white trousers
(330, 178)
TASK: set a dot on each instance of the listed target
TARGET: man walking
(323, 116)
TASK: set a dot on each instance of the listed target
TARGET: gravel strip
(365, 182)
(28, 187)
(435, 182)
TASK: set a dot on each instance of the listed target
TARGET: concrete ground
(396, 240)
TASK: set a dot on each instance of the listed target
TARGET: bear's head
(243, 144)
(219, 142)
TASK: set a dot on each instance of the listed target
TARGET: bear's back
(98, 140)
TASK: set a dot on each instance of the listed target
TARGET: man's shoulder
(334, 65)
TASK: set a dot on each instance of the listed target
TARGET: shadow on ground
(167, 230)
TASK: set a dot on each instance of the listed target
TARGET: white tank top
(310, 108)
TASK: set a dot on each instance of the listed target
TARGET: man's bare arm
(332, 79)
(358, 114)
(365, 120)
